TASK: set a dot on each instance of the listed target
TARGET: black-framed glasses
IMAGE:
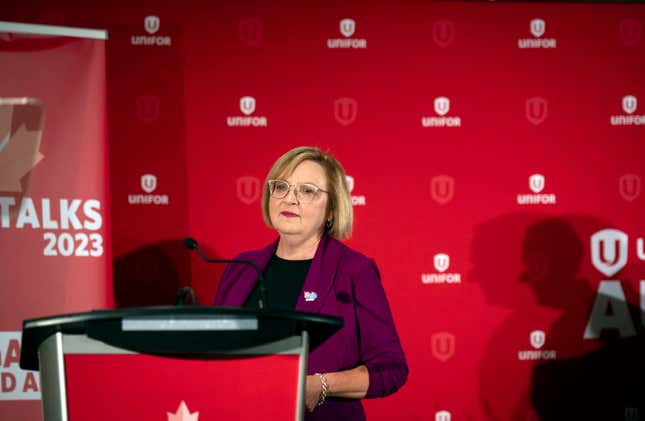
(305, 192)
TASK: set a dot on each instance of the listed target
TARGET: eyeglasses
(305, 193)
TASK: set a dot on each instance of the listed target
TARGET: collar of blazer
(320, 277)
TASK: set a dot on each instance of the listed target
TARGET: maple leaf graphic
(183, 414)
(19, 144)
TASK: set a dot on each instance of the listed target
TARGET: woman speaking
(308, 269)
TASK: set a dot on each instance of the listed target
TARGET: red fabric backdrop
(441, 119)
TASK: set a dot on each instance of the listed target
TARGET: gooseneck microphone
(183, 293)
(263, 301)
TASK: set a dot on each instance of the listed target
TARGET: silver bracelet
(325, 388)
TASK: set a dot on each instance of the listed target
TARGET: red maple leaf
(183, 414)
(19, 143)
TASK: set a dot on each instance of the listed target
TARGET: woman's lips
(289, 214)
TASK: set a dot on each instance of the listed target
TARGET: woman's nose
(291, 195)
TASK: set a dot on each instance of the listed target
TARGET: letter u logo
(442, 416)
(536, 110)
(609, 251)
(443, 33)
(345, 110)
(248, 189)
(250, 31)
(537, 26)
(442, 189)
(148, 108)
(537, 339)
(443, 345)
(441, 262)
(151, 24)
(536, 183)
(148, 183)
(629, 104)
(247, 105)
(630, 32)
(347, 27)
(441, 105)
(629, 186)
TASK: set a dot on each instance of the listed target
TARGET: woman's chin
(288, 230)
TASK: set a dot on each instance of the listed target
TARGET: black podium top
(186, 330)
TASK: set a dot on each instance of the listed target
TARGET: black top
(284, 281)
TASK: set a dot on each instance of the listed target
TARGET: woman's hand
(313, 389)
(348, 384)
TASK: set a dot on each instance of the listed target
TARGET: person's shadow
(150, 275)
(155, 274)
(537, 364)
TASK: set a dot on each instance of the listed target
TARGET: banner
(54, 209)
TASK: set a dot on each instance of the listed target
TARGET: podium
(187, 363)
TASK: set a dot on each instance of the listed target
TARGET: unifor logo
(345, 110)
(248, 189)
(443, 33)
(251, 31)
(148, 183)
(629, 186)
(148, 108)
(442, 416)
(536, 183)
(442, 189)
(350, 182)
(441, 105)
(247, 105)
(347, 27)
(441, 262)
(442, 345)
(536, 110)
(609, 251)
(629, 104)
(629, 31)
(151, 24)
(537, 338)
(538, 27)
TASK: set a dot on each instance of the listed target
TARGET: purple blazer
(347, 284)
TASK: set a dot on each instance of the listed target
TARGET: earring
(328, 224)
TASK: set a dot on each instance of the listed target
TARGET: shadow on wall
(607, 383)
(151, 276)
(538, 365)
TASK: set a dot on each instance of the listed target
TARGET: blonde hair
(339, 203)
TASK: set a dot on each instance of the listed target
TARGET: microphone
(263, 301)
(182, 293)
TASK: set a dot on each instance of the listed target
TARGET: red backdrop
(502, 160)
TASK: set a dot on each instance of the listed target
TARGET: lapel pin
(310, 296)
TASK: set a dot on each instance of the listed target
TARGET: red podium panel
(153, 387)
(185, 363)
